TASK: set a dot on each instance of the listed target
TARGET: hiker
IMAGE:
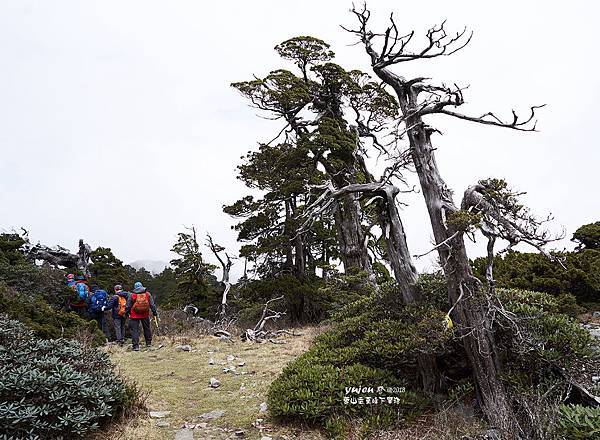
(138, 308)
(70, 281)
(80, 287)
(118, 304)
(97, 302)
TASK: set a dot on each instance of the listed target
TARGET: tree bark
(464, 290)
(353, 247)
(400, 259)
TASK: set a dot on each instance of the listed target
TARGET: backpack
(82, 290)
(122, 305)
(141, 306)
(98, 300)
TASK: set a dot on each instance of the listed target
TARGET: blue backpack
(82, 290)
(98, 300)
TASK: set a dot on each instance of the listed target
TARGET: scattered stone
(595, 378)
(185, 434)
(162, 424)
(159, 414)
(596, 315)
(211, 361)
(185, 347)
(263, 407)
(492, 434)
(202, 425)
(266, 437)
(242, 387)
(214, 382)
(230, 358)
(240, 433)
(213, 414)
(595, 332)
(241, 364)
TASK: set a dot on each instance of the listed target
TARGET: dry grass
(179, 382)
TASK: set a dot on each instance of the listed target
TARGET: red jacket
(130, 309)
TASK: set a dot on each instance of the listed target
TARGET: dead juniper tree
(226, 266)
(384, 195)
(259, 333)
(418, 98)
(62, 257)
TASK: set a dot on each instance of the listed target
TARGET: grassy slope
(178, 382)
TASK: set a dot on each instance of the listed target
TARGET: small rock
(242, 387)
(185, 347)
(185, 434)
(595, 378)
(211, 361)
(263, 407)
(213, 414)
(202, 425)
(163, 424)
(596, 315)
(266, 437)
(159, 414)
(230, 358)
(240, 433)
(241, 364)
(214, 382)
(492, 434)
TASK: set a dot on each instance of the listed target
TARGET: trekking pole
(157, 326)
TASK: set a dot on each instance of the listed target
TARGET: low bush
(46, 321)
(579, 422)
(54, 389)
(376, 341)
(374, 344)
(304, 302)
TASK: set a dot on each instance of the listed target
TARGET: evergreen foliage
(578, 422)
(378, 339)
(53, 389)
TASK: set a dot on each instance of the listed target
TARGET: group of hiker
(93, 302)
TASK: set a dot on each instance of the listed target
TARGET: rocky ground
(208, 388)
(211, 388)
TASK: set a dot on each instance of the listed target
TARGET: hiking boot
(136, 348)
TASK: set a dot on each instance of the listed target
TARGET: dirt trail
(179, 382)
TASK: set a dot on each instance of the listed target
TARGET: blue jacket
(113, 303)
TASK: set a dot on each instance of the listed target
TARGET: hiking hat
(138, 285)
(118, 287)
(70, 276)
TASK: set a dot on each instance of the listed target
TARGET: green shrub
(579, 422)
(46, 321)
(375, 343)
(545, 332)
(311, 391)
(53, 388)
(304, 301)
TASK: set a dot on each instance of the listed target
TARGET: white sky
(118, 124)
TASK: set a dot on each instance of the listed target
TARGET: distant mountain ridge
(153, 266)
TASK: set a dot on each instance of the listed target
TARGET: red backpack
(141, 306)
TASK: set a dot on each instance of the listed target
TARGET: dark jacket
(113, 303)
(131, 300)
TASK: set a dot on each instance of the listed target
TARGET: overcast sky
(118, 124)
